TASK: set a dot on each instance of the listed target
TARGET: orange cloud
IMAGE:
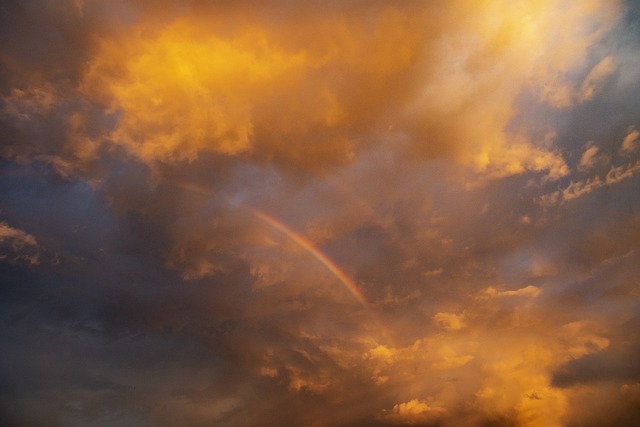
(197, 85)
(589, 158)
(630, 142)
(413, 412)
(574, 190)
(184, 90)
(528, 291)
(449, 321)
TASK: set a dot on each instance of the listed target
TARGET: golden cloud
(413, 412)
(317, 92)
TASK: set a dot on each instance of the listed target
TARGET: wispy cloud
(17, 245)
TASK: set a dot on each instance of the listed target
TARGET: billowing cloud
(319, 214)
(413, 412)
(335, 81)
(588, 159)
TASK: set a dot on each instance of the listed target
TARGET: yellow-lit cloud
(184, 90)
(449, 321)
(413, 412)
(195, 85)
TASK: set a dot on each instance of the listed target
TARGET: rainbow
(329, 265)
(194, 188)
(313, 251)
(295, 237)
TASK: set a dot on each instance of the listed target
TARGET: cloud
(588, 159)
(586, 341)
(154, 84)
(564, 95)
(529, 291)
(449, 321)
(604, 362)
(18, 246)
(319, 214)
(630, 142)
(578, 189)
(264, 89)
(413, 412)
(598, 73)
(150, 74)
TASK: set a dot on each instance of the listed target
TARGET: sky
(340, 213)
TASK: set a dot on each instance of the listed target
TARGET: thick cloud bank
(340, 213)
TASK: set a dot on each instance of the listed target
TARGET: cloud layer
(339, 214)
